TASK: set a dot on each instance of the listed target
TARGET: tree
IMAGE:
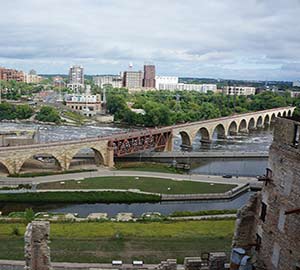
(24, 111)
(48, 114)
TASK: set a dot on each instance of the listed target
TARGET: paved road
(106, 172)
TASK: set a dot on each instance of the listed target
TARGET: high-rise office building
(133, 79)
(76, 78)
(76, 75)
(149, 76)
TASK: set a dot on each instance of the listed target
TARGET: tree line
(164, 108)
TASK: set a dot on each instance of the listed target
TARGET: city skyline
(250, 40)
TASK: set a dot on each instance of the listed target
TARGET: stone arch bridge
(121, 144)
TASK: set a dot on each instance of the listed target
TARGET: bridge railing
(232, 117)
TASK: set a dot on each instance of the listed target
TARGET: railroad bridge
(121, 144)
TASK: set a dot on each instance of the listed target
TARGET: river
(137, 209)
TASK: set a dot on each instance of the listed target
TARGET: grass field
(103, 242)
(156, 185)
(147, 167)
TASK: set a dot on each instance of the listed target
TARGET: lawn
(103, 242)
(147, 167)
(156, 185)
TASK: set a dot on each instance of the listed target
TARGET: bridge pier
(206, 141)
(244, 131)
(169, 146)
(109, 161)
(187, 147)
(222, 136)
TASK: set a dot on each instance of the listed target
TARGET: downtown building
(7, 74)
(149, 76)
(133, 79)
(114, 80)
(161, 81)
(33, 77)
(76, 78)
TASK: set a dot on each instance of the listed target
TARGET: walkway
(208, 154)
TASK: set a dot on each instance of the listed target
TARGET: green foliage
(152, 241)
(9, 111)
(29, 215)
(202, 213)
(48, 114)
(78, 197)
(164, 108)
(16, 231)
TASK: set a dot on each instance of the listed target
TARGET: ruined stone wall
(37, 252)
(278, 233)
(246, 223)
(280, 247)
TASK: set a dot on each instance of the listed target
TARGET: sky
(229, 39)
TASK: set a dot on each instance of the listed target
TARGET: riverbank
(107, 241)
(78, 197)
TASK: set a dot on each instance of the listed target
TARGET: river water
(137, 209)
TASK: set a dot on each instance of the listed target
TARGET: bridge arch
(252, 124)
(186, 140)
(4, 168)
(40, 162)
(243, 126)
(284, 114)
(273, 117)
(259, 122)
(86, 156)
(279, 114)
(289, 113)
(219, 131)
(233, 128)
(205, 135)
(267, 120)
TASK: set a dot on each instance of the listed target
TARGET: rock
(97, 216)
(124, 217)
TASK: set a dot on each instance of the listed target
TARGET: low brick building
(7, 74)
(268, 228)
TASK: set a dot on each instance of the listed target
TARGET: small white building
(239, 90)
(296, 83)
(114, 80)
(203, 88)
(85, 104)
(165, 80)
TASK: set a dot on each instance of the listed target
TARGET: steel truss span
(152, 140)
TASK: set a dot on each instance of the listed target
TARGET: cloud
(251, 39)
